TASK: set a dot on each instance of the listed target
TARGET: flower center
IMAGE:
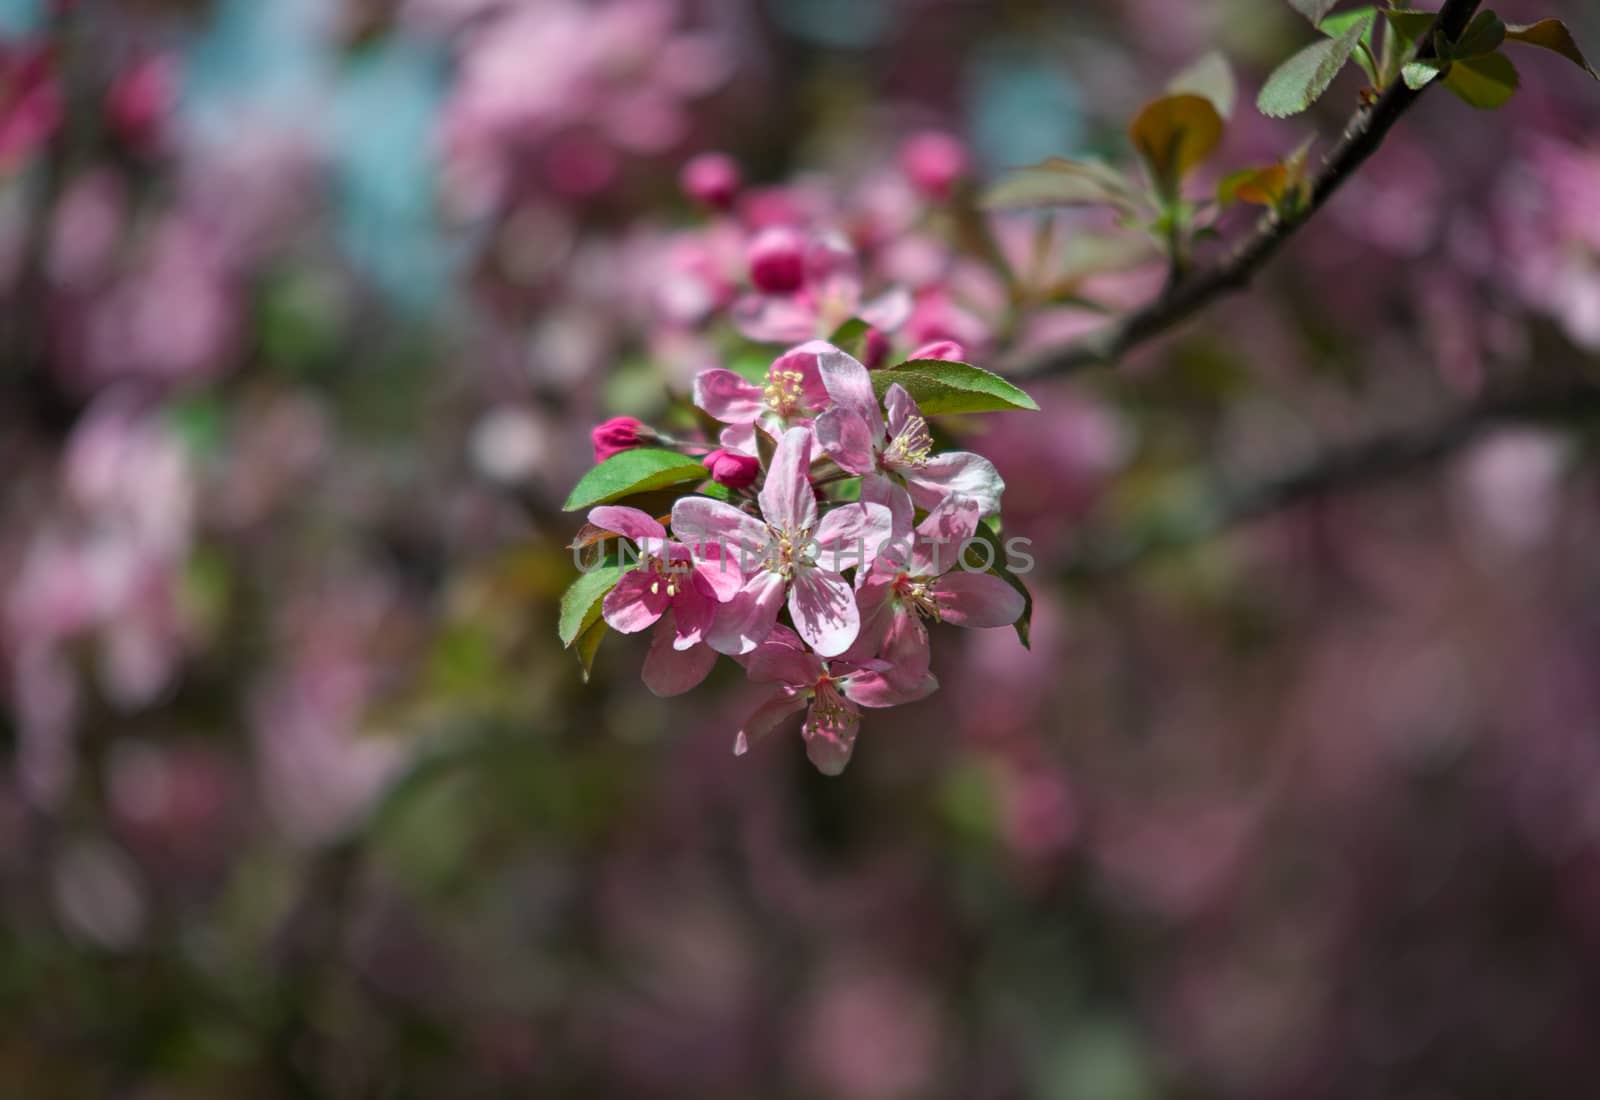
(920, 597)
(830, 712)
(788, 550)
(784, 391)
(912, 446)
(669, 575)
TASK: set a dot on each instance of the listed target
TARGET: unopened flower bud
(711, 179)
(933, 161)
(734, 470)
(947, 350)
(778, 260)
(620, 433)
(874, 349)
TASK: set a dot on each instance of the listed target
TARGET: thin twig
(1362, 136)
(1345, 469)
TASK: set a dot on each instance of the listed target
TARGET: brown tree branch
(1362, 136)
(1343, 469)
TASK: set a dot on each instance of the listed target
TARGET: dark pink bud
(933, 161)
(778, 260)
(140, 99)
(620, 433)
(736, 471)
(948, 350)
(874, 349)
(712, 179)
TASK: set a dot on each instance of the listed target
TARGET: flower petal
(638, 600)
(744, 621)
(958, 473)
(876, 608)
(707, 527)
(767, 717)
(803, 360)
(670, 671)
(847, 439)
(942, 534)
(628, 522)
(780, 660)
(693, 608)
(787, 500)
(721, 576)
(889, 310)
(878, 489)
(728, 397)
(850, 386)
(852, 535)
(902, 408)
(831, 739)
(977, 599)
(823, 607)
(775, 318)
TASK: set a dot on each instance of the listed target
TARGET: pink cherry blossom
(806, 289)
(831, 692)
(788, 551)
(669, 589)
(855, 436)
(902, 593)
(792, 395)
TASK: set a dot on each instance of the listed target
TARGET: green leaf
(1061, 182)
(1174, 134)
(1483, 35)
(1300, 81)
(1210, 78)
(1365, 52)
(588, 643)
(1335, 25)
(580, 604)
(1553, 35)
(1484, 82)
(635, 471)
(1409, 26)
(1024, 623)
(851, 337)
(1419, 74)
(1314, 10)
(939, 386)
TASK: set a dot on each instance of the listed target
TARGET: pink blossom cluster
(827, 510)
(785, 263)
(553, 96)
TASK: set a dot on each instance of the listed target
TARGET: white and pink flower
(790, 551)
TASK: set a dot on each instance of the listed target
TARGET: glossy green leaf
(1211, 78)
(1061, 182)
(1484, 82)
(1300, 81)
(1553, 35)
(580, 604)
(636, 471)
(1174, 134)
(940, 386)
